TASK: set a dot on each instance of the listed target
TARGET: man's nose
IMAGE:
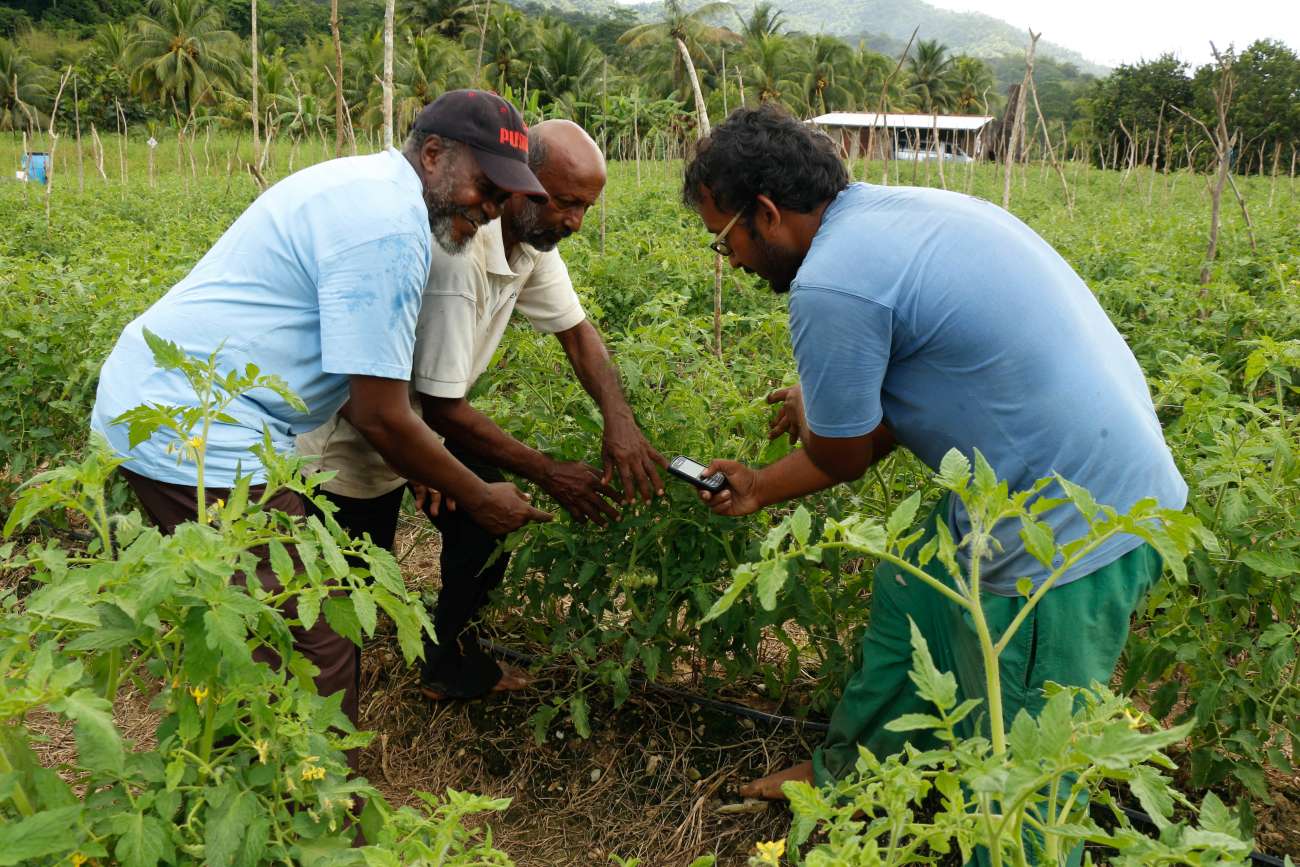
(573, 220)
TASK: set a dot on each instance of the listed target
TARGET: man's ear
(766, 214)
(432, 152)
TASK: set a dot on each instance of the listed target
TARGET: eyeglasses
(719, 244)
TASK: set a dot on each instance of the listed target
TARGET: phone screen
(690, 466)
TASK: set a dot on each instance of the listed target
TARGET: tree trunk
(700, 111)
(389, 13)
(338, 78)
(257, 129)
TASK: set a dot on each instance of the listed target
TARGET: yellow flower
(176, 683)
(78, 859)
(1135, 720)
(199, 693)
(311, 771)
(770, 851)
(262, 748)
(195, 442)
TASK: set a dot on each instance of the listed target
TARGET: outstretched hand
(626, 450)
(740, 496)
(789, 418)
(579, 489)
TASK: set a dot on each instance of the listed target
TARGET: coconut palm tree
(444, 17)
(22, 87)
(689, 33)
(427, 66)
(182, 50)
(568, 71)
(511, 41)
(769, 74)
(974, 81)
(764, 20)
(824, 62)
(931, 77)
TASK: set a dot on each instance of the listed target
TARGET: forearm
(595, 370)
(471, 431)
(794, 476)
(412, 450)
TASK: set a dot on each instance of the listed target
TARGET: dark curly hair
(765, 151)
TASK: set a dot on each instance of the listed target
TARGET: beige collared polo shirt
(464, 311)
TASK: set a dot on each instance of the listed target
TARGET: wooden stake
(1018, 120)
(81, 167)
(338, 78)
(97, 147)
(54, 141)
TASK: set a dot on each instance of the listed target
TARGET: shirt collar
(494, 250)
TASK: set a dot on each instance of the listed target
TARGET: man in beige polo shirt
(511, 264)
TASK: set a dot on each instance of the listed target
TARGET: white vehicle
(932, 151)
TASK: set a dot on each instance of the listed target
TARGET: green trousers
(1073, 636)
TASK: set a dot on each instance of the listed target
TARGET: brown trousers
(338, 659)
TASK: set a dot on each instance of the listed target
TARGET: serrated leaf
(281, 562)
(772, 575)
(99, 744)
(903, 516)
(39, 836)
(341, 615)
(1039, 541)
(743, 576)
(578, 714)
(365, 608)
(142, 840)
(226, 827)
(954, 470)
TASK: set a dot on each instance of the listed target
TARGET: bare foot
(512, 679)
(769, 787)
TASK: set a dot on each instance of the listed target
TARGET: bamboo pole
(1018, 120)
(54, 141)
(389, 14)
(338, 78)
(81, 167)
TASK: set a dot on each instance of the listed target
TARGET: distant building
(910, 136)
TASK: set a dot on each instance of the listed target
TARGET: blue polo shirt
(318, 280)
(956, 325)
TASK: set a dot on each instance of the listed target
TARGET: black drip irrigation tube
(1137, 817)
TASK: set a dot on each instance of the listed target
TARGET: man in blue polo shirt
(933, 321)
(320, 281)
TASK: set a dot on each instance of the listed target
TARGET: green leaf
(281, 562)
(1153, 793)
(903, 516)
(309, 607)
(578, 714)
(1039, 540)
(801, 525)
(1025, 587)
(99, 744)
(1274, 564)
(743, 576)
(227, 826)
(142, 841)
(772, 575)
(341, 615)
(166, 354)
(954, 471)
(365, 608)
(912, 722)
(541, 721)
(51, 832)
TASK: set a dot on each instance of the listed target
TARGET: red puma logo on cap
(517, 140)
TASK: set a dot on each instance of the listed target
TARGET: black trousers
(456, 665)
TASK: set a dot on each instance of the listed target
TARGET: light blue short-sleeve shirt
(956, 325)
(318, 280)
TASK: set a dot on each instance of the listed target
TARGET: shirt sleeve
(547, 298)
(841, 346)
(369, 296)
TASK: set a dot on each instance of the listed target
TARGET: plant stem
(19, 794)
(209, 729)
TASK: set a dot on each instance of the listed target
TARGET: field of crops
(174, 754)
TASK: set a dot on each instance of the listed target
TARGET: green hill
(884, 24)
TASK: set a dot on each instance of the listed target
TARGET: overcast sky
(1125, 31)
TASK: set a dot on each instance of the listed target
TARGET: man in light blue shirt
(935, 321)
(320, 281)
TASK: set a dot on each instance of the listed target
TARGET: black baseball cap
(494, 131)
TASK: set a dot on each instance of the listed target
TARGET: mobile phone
(693, 471)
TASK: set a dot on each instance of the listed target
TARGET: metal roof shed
(876, 131)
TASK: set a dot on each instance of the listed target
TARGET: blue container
(34, 165)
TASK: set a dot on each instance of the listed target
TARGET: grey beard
(526, 229)
(437, 199)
